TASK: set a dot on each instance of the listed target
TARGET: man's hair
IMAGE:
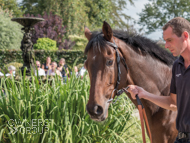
(54, 63)
(178, 25)
(38, 62)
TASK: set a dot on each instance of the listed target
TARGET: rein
(141, 108)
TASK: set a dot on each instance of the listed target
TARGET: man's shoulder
(176, 62)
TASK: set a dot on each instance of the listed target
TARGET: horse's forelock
(97, 43)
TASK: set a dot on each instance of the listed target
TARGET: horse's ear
(87, 33)
(108, 33)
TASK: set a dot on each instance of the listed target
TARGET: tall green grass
(62, 110)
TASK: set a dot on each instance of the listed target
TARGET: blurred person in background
(63, 68)
(1, 74)
(47, 65)
(41, 72)
(11, 70)
(53, 70)
(82, 71)
(76, 71)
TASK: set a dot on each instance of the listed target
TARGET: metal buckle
(182, 135)
(111, 99)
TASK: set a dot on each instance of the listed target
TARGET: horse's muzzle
(95, 112)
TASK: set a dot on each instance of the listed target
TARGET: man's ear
(87, 33)
(107, 31)
(186, 35)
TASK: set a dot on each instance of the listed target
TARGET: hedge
(8, 56)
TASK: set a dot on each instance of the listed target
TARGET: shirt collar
(181, 60)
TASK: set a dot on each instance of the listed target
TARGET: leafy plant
(60, 109)
(80, 42)
(10, 32)
(12, 5)
(51, 28)
(45, 44)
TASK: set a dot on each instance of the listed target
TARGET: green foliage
(77, 13)
(74, 16)
(15, 64)
(61, 109)
(158, 12)
(10, 32)
(8, 56)
(98, 11)
(6, 12)
(45, 44)
(117, 15)
(13, 6)
(80, 42)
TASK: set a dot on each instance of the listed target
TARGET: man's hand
(134, 90)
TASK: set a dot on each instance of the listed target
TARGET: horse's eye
(109, 62)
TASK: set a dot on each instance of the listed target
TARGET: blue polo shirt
(180, 85)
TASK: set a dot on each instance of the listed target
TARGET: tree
(10, 32)
(77, 13)
(116, 14)
(97, 12)
(74, 16)
(157, 12)
(13, 6)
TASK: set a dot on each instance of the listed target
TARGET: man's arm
(167, 102)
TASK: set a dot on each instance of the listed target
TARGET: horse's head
(102, 67)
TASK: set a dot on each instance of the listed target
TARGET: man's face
(38, 64)
(53, 66)
(175, 44)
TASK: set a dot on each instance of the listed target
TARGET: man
(54, 70)
(83, 71)
(41, 72)
(176, 34)
(11, 70)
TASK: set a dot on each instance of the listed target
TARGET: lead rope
(142, 114)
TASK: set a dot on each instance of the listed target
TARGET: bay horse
(148, 66)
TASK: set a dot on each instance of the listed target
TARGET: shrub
(51, 28)
(80, 42)
(45, 44)
(8, 56)
(10, 32)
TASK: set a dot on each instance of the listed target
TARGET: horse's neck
(149, 73)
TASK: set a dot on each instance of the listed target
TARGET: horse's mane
(138, 43)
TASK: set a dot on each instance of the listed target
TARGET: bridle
(119, 92)
(118, 58)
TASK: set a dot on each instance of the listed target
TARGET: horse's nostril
(98, 110)
(95, 110)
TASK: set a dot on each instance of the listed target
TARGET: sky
(132, 11)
